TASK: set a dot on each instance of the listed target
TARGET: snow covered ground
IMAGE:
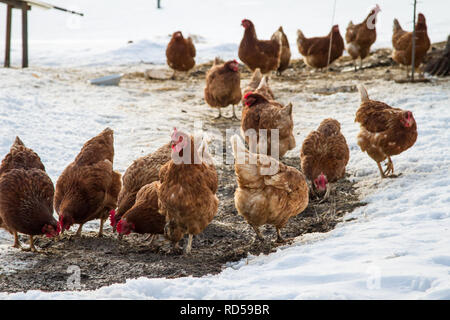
(397, 248)
(101, 36)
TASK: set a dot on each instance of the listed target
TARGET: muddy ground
(107, 260)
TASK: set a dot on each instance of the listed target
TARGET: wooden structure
(24, 6)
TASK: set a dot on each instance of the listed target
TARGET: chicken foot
(78, 234)
(32, 248)
(389, 167)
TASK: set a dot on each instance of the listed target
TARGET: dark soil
(107, 260)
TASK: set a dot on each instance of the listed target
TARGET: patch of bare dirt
(107, 260)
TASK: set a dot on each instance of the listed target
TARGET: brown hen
(88, 188)
(144, 217)
(180, 53)
(316, 51)
(262, 114)
(223, 86)
(187, 195)
(324, 156)
(385, 131)
(141, 172)
(262, 54)
(285, 56)
(402, 43)
(26, 195)
(268, 192)
(360, 37)
(259, 84)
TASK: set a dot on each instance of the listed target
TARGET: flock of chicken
(172, 191)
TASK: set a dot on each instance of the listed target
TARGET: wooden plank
(14, 3)
(24, 35)
(8, 36)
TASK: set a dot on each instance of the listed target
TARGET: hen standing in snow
(263, 54)
(187, 195)
(324, 156)
(26, 195)
(223, 86)
(268, 192)
(88, 188)
(360, 37)
(385, 131)
(180, 53)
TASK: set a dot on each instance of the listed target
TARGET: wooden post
(8, 36)
(413, 56)
(24, 35)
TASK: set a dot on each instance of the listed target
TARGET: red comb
(247, 94)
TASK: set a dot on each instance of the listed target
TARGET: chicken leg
(16, 241)
(279, 237)
(189, 244)
(258, 233)
(220, 114)
(234, 117)
(389, 167)
(381, 170)
(32, 248)
(100, 231)
(78, 234)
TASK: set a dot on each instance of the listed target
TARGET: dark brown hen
(180, 53)
(262, 54)
(141, 172)
(26, 195)
(316, 51)
(88, 188)
(144, 217)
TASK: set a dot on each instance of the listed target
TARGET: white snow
(101, 36)
(397, 248)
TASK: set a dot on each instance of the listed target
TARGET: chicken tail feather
(363, 93)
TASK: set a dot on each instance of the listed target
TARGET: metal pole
(69, 11)
(413, 56)
(331, 37)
